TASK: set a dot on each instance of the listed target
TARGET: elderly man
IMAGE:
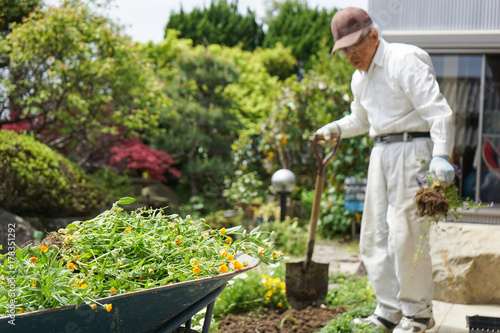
(398, 102)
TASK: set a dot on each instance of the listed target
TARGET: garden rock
(466, 262)
(23, 230)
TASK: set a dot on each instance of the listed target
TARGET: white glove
(328, 135)
(441, 168)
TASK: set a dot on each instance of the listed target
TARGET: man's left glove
(441, 168)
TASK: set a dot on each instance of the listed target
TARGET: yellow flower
(194, 262)
(150, 271)
(223, 231)
(280, 305)
(180, 248)
(77, 256)
(21, 311)
(230, 257)
(261, 254)
(109, 307)
(267, 299)
(83, 286)
(43, 248)
(33, 284)
(34, 260)
(269, 293)
(94, 306)
(275, 254)
(224, 268)
(68, 239)
(229, 240)
(71, 266)
(128, 229)
(196, 270)
(112, 290)
(224, 253)
(177, 241)
(120, 263)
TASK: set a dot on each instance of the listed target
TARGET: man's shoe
(376, 321)
(414, 325)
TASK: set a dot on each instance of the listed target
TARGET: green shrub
(288, 236)
(37, 181)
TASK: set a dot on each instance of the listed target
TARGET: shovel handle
(320, 181)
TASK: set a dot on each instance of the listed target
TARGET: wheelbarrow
(162, 309)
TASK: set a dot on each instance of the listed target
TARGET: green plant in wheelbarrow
(119, 252)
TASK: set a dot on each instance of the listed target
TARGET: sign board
(354, 194)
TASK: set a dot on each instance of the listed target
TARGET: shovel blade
(306, 287)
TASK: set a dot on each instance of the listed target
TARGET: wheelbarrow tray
(159, 309)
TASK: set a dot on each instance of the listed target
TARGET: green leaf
(126, 201)
(46, 291)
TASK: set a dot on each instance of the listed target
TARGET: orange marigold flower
(141, 278)
(21, 311)
(261, 254)
(180, 247)
(194, 262)
(34, 260)
(224, 268)
(230, 257)
(177, 241)
(33, 284)
(94, 306)
(223, 231)
(224, 253)
(150, 271)
(109, 307)
(196, 270)
(275, 254)
(71, 266)
(229, 240)
(128, 229)
(83, 286)
(77, 256)
(112, 290)
(120, 263)
(237, 265)
(68, 239)
(43, 248)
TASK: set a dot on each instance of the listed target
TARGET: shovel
(307, 281)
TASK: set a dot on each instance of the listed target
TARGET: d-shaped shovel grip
(320, 181)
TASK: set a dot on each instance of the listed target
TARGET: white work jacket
(399, 93)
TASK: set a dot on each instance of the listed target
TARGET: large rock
(466, 262)
(14, 228)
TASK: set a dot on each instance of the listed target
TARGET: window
(465, 81)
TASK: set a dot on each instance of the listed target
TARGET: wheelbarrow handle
(320, 181)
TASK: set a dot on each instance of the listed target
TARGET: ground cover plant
(119, 252)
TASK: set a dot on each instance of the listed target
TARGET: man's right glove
(328, 135)
(441, 168)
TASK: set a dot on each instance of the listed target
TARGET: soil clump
(431, 202)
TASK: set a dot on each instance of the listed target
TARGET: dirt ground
(307, 320)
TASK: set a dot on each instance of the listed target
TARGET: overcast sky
(145, 20)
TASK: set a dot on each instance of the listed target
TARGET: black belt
(401, 137)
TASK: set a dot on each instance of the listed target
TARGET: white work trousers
(392, 234)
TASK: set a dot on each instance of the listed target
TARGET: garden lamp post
(283, 182)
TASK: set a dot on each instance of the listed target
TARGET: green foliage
(38, 181)
(221, 23)
(288, 236)
(355, 295)
(76, 81)
(253, 291)
(301, 28)
(13, 11)
(115, 185)
(278, 60)
(199, 127)
(244, 188)
(217, 220)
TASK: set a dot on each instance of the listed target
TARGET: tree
(221, 24)
(300, 28)
(199, 127)
(77, 83)
(14, 11)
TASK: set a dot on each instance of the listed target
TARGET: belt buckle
(404, 137)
